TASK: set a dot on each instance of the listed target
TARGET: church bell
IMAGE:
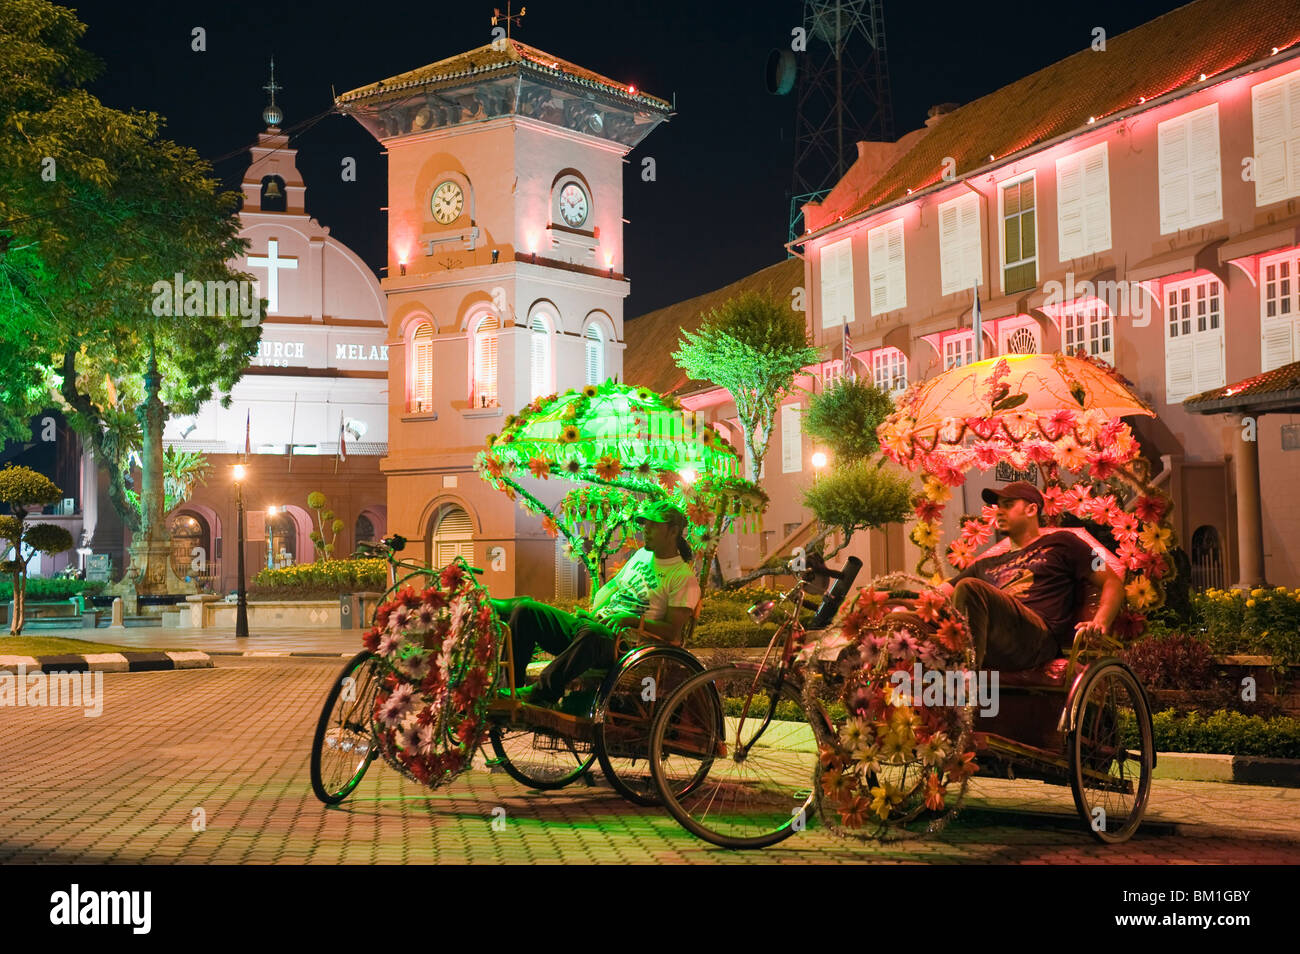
(273, 190)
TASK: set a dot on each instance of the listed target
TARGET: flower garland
(439, 651)
(900, 761)
(1117, 492)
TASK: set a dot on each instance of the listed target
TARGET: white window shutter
(1206, 178)
(1180, 372)
(837, 283)
(950, 252)
(595, 354)
(1069, 207)
(1208, 351)
(485, 361)
(1279, 335)
(877, 255)
(1175, 201)
(1096, 200)
(791, 439)
(1271, 125)
(539, 353)
(422, 369)
(972, 265)
(566, 573)
(897, 268)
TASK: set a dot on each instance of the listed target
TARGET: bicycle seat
(1050, 675)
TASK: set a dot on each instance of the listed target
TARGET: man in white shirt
(655, 592)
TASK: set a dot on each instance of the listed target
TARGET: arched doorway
(191, 546)
(281, 539)
(1207, 558)
(451, 534)
(363, 531)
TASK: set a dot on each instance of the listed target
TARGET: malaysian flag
(343, 440)
(849, 373)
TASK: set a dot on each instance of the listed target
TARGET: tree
(96, 212)
(861, 495)
(845, 416)
(325, 520)
(23, 489)
(752, 346)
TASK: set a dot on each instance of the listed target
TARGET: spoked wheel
(629, 699)
(757, 772)
(538, 757)
(343, 747)
(1112, 752)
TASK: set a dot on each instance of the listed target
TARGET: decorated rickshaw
(436, 677)
(894, 721)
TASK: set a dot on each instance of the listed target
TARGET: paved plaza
(211, 766)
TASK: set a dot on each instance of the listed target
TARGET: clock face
(573, 205)
(447, 203)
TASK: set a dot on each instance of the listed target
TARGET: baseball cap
(661, 511)
(1020, 490)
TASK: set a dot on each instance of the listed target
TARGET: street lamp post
(241, 609)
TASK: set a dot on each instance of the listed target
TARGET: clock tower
(505, 280)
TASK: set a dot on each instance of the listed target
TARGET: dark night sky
(719, 207)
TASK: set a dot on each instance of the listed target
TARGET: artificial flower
(1155, 538)
(541, 467)
(883, 799)
(934, 792)
(1141, 593)
(608, 467)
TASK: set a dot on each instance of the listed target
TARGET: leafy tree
(95, 209)
(862, 495)
(752, 346)
(182, 472)
(845, 416)
(24, 490)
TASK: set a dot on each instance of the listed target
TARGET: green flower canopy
(628, 444)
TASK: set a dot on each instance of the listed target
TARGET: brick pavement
(233, 741)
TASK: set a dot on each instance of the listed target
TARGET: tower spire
(272, 115)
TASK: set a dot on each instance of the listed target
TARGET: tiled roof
(1164, 55)
(1280, 386)
(488, 58)
(652, 338)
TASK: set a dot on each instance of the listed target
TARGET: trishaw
(885, 756)
(426, 707)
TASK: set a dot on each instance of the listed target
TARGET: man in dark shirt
(1021, 604)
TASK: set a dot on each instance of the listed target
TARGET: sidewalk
(334, 642)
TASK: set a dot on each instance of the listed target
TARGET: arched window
(422, 368)
(595, 344)
(567, 580)
(189, 532)
(453, 536)
(281, 540)
(1019, 336)
(540, 356)
(485, 362)
(1207, 558)
(363, 531)
(273, 197)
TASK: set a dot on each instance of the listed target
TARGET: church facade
(505, 281)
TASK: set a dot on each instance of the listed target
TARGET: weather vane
(272, 87)
(510, 17)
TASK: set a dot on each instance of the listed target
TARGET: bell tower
(506, 276)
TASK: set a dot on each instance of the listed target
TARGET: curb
(143, 661)
(267, 654)
(1242, 769)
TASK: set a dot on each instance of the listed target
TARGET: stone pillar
(1250, 529)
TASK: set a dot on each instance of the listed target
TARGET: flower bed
(322, 580)
(1261, 622)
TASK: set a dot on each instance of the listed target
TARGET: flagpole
(977, 323)
(293, 419)
(338, 444)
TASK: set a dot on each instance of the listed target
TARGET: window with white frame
(485, 362)
(422, 368)
(1193, 338)
(1276, 113)
(1190, 179)
(888, 268)
(453, 535)
(1280, 310)
(837, 283)
(539, 364)
(791, 439)
(594, 344)
(959, 244)
(1019, 336)
(889, 369)
(958, 349)
(1088, 325)
(1083, 202)
(566, 572)
(1019, 234)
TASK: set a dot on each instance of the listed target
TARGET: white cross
(272, 263)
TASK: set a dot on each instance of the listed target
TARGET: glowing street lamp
(818, 460)
(241, 609)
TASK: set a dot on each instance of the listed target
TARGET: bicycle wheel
(1112, 752)
(758, 772)
(539, 758)
(625, 716)
(343, 746)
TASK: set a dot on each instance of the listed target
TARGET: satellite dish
(780, 72)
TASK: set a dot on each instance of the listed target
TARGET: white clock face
(447, 203)
(573, 205)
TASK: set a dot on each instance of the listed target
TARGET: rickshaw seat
(1051, 674)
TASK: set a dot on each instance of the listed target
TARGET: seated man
(655, 591)
(1020, 604)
